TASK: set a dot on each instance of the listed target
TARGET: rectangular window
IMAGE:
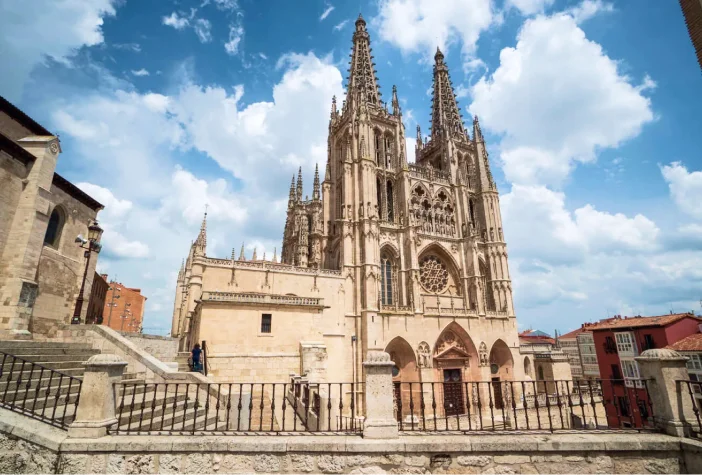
(631, 369)
(695, 362)
(648, 342)
(616, 373)
(266, 323)
(625, 343)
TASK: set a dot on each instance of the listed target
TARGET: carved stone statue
(424, 355)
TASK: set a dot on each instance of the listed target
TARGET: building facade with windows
(569, 345)
(41, 214)
(618, 341)
(588, 356)
(409, 258)
(123, 308)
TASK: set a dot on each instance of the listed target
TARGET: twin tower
(408, 237)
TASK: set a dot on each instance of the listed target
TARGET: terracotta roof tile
(658, 321)
(571, 335)
(689, 343)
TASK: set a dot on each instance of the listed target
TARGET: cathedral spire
(445, 114)
(201, 241)
(242, 256)
(299, 184)
(291, 197)
(362, 84)
(315, 187)
(395, 102)
(254, 257)
(275, 254)
(333, 107)
(233, 254)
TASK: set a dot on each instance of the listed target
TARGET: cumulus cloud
(176, 21)
(588, 9)
(53, 29)
(552, 118)
(422, 25)
(685, 188)
(530, 7)
(140, 72)
(236, 33)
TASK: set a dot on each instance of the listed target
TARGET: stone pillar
(380, 422)
(670, 400)
(96, 406)
(313, 362)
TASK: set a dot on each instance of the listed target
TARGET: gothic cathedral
(409, 258)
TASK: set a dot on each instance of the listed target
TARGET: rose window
(433, 274)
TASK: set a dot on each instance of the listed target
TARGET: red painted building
(617, 342)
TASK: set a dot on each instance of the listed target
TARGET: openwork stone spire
(291, 197)
(242, 256)
(299, 184)
(362, 84)
(201, 241)
(395, 102)
(315, 187)
(445, 113)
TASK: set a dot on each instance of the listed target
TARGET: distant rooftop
(639, 321)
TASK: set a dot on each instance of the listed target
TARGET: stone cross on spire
(362, 84)
(445, 114)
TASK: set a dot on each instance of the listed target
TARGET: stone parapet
(526, 453)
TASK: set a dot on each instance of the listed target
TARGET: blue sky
(591, 110)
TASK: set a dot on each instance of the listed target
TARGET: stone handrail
(271, 299)
(396, 308)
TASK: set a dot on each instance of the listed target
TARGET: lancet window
(385, 192)
(387, 275)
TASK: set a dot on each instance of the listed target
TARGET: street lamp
(91, 244)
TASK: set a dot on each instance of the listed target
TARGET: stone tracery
(433, 274)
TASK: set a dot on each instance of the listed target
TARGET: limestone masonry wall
(161, 347)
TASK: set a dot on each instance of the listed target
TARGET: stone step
(56, 365)
(55, 380)
(43, 359)
(53, 391)
(46, 403)
(6, 345)
(34, 372)
(43, 352)
(171, 421)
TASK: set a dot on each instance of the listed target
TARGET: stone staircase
(40, 379)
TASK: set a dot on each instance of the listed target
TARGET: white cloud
(530, 7)
(203, 30)
(176, 21)
(341, 25)
(136, 47)
(553, 117)
(422, 25)
(115, 208)
(685, 188)
(262, 56)
(47, 28)
(588, 9)
(115, 244)
(236, 33)
(140, 72)
(326, 12)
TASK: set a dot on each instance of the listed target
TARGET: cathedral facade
(409, 258)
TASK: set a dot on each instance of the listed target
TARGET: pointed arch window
(386, 280)
(378, 148)
(472, 212)
(53, 230)
(391, 203)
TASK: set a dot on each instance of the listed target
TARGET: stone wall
(162, 347)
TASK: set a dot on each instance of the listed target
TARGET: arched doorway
(455, 363)
(405, 377)
(501, 369)
(527, 366)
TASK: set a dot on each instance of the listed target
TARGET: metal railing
(694, 389)
(224, 408)
(521, 406)
(38, 392)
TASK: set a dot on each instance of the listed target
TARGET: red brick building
(617, 342)
(692, 10)
(124, 308)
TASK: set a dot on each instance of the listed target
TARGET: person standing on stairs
(196, 356)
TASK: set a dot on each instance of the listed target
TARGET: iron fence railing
(222, 408)
(521, 406)
(39, 392)
(694, 390)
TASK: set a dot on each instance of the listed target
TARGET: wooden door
(453, 392)
(497, 393)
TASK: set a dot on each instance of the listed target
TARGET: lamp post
(91, 244)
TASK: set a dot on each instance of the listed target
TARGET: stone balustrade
(266, 299)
